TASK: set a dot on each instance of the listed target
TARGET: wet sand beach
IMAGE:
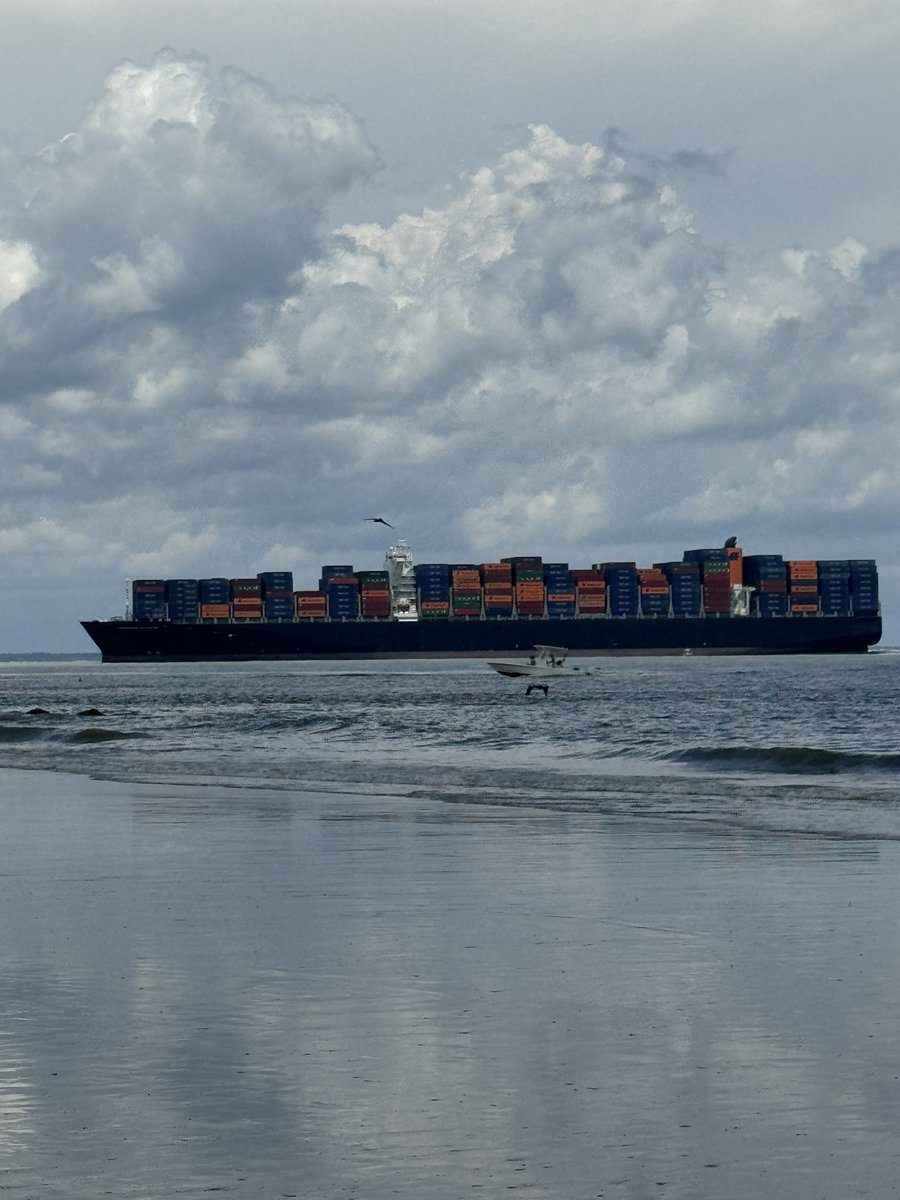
(268, 991)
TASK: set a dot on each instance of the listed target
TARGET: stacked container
(716, 588)
(332, 570)
(374, 594)
(528, 580)
(182, 599)
(343, 597)
(215, 599)
(803, 586)
(498, 589)
(684, 587)
(148, 599)
(528, 587)
(311, 605)
(715, 573)
(863, 587)
(622, 587)
(278, 595)
(590, 592)
(246, 599)
(465, 585)
(766, 573)
(834, 586)
(654, 592)
(560, 588)
(433, 585)
(275, 583)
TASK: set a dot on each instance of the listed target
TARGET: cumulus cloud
(197, 375)
(19, 271)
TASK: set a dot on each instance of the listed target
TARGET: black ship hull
(170, 641)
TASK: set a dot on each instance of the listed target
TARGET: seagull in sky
(379, 521)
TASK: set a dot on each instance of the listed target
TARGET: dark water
(364, 932)
(772, 743)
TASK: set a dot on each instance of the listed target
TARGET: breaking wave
(799, 760)
(10, 734)
(91, 736)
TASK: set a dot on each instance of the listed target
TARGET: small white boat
(547, 662)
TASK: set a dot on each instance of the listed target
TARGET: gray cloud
(197, 378)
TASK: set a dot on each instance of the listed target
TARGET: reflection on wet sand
(270, 992)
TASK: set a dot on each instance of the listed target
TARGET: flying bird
(379, 521)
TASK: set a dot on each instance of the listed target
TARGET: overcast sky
(592, 280)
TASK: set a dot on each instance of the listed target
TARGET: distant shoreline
(46, 656)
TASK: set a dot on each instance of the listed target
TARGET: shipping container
(276, 581)
(715, 554)
(215, 612)
(213, 591)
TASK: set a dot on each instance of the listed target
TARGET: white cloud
(197, 378)
(176, 554)
(19, 271)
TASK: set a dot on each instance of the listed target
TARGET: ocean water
(802, 744)
(362, 931)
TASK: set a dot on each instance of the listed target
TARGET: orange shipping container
(214, 611)
(735, 566)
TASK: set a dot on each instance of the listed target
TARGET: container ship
(711, 601)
